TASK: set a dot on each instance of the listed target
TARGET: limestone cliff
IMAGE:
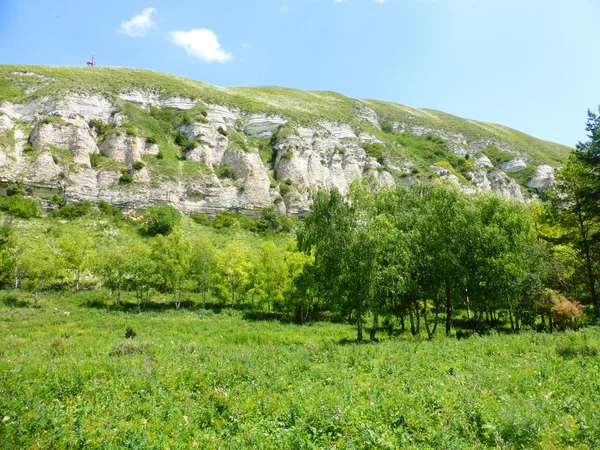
(201, 148)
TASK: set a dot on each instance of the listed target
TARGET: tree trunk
(448, 312)
(468, 304)
(413, 329)
(16, 282)
(35, 299)
(427, 327)
(77, 280)
(232, 296)
(510, 316)
(588, 261)
(203, 299)
(359, 331)
(375, 327)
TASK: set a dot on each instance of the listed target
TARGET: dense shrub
(70, 212)
(126, 177)
(16, 188)
(138, 165)
(19, 206)
(201, 219)
(161, 219)
(223, 171)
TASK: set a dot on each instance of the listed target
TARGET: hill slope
(138, 137)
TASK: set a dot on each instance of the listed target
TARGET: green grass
(212, 379)
(541, 152)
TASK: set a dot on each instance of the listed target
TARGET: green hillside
(302, 108)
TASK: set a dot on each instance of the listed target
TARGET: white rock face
(248, 169)
(498, 182)
(125, 148)
(483, 161)
(87, 106)
(514, 165)
(542, 178)
(66, 136)
(212, 143)
(148, 99)
(262, 126)
(5, 123)
(324, 156)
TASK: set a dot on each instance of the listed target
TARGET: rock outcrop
(82, 145)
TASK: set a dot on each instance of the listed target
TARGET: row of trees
(425, 251)
(425, 254)
(173, 264)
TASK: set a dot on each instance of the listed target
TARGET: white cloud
(338, 1)
(140, 25)
(200, 43)
(380, 1)
(284, 9)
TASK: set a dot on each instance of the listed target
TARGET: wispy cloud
(200, 43)
(140, 25)
(338, 1)
(284, 9)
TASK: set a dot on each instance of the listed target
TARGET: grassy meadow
(220, 378)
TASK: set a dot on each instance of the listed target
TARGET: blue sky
(528, 64)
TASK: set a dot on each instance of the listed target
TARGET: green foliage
(55, 198)
(223, 171)
(161, 219)
(376, 151)
(201, 219)
(269, 384)
(55, 120)
(16, 188)
(19, 206)
(184, 142)
(126, 177)
(386, 126)
(99, 127)
(73, 211)
(138, 165)
(497, 156)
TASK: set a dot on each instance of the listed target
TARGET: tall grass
(69, 377)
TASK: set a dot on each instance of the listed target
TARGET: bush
(161, 219)
(138, 165)
(374, 151)
(565, 313)
(74, 211)
(109, 210)
(222, 131)
(386, 126)
(226, 219)
(223, 171)
(16, 188)
(130, 333)
(19, 206)
(55, 198)
(201, 219)
(99, 127)
(126, 177)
